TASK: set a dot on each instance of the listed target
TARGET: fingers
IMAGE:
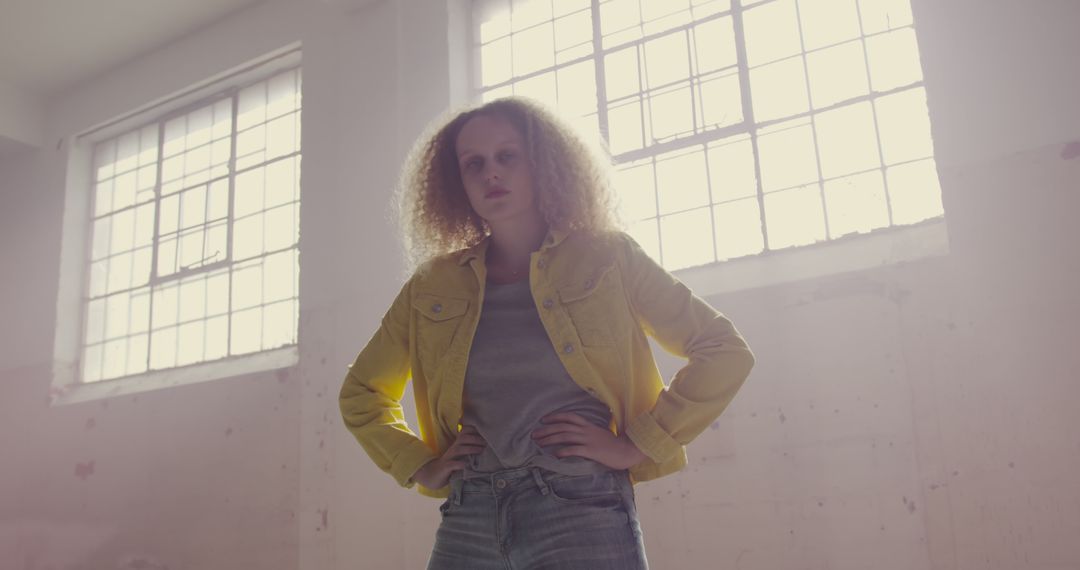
(567, 417)
(575, 451)
(563, 438)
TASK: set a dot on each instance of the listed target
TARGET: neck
(512, 244)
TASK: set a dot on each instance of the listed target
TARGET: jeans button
(501, 484)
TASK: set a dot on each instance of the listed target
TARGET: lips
(496, 192)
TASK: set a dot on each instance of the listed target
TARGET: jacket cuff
(409, 461)
(651, 439)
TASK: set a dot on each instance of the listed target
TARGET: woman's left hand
(584, 439)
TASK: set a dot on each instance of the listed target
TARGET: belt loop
(455, 490)
(540, 481)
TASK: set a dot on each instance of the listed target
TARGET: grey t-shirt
(514, 378)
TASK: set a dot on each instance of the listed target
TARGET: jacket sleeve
(719, 359)
(371, 396)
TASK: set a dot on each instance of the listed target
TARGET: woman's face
(495, 169)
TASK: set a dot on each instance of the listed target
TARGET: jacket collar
(554, 237)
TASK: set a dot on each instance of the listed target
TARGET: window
(744, 125)
(193, 253)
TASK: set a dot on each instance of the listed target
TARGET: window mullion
(601, 75)
(748, 108)
(235, 99)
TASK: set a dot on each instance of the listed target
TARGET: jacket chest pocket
(438, 321)
(593, 304)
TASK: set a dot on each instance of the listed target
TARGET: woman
(524, 334)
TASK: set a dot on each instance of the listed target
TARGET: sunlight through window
(738, 126)
(194, 239)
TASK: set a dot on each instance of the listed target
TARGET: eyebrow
(465, 152)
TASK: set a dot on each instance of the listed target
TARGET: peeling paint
(84, 470)
(1071, 151)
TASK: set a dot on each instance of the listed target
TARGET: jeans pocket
(598, 488)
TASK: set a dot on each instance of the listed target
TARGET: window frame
(892, 243)
(77, 241)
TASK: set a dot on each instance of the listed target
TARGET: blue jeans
(534, 519)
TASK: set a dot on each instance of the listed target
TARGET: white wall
(919, 415)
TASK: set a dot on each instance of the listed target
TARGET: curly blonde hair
(571, 178)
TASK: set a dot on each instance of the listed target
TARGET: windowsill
(66, 391)
(850, 253)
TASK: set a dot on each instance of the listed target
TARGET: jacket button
(568, 348)
(548, 303)
(436, 308)
(542, 263)
(589, 284)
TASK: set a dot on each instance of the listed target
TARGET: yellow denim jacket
(597, 296)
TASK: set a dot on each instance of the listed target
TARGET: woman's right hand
(435, 474)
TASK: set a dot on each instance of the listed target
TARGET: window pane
(882, 15)
(847, 140)
(681, 179)
(624, 126)
(904, 122)
(217, 338)
(667, 60)
(492, 18)
(772, 32)
(621, 73)
(190, 343)
(636, 190)
(95, 321)
(794, 217)
(738, 229)
(574, 31)
(278, 325)
(837, 74)
(577, 89)
(192, 299)
(856, 204)
(163, 348)
(687, 239)
(671, 114)
(779, 90)
(731, 169)
(828, 23)
(914, 192)
(534, 49)
(246, 331)
(541, 88)
(247, 282)
(894, 59)
(715, 43)
(720, 100)
(495, 62)
(620, 21)
(787, 155)
(138, 347)
(252, 106)
(528, 13)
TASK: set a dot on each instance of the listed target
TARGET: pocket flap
(440, 307)
(575, 291)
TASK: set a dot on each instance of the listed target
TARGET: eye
(473, 164)
(506, 155)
